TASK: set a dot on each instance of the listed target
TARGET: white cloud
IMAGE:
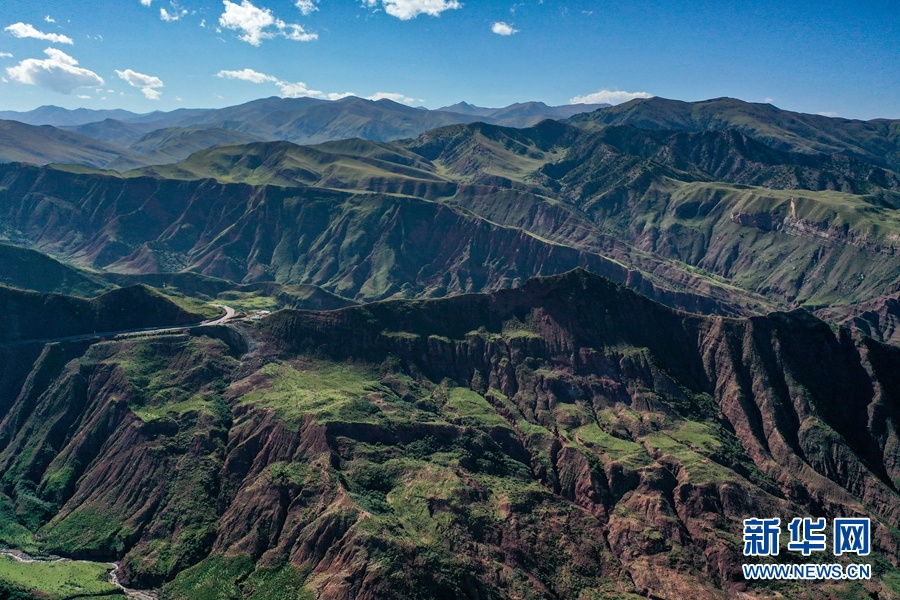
(287, 89)
(393, 96)
(501, 28)
(83, 97)
(340, 95)
(768, 100)
(139, 80)
(247, 75)
(59, 72)
(5, 55)
(299, 90)
(148, 84)
(258, 24)
(146, 2)
(295, 32)
(410, 9)
(608, 97)
(828, 113)
(175, 15)
(25, 30)
(252, 21)
(49, 19)
(307, 7)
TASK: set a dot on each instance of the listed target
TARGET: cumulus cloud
(146, 2)
(25, 30)
(608, 97)
(175, 15)
(307, 7)
(58, 72)
(501, 28)
(294, 32)
(257, 24)
(248, 19)
(49, 19)
(247, 75)
(410, 9)
(148, 84)
(287, 89)
(393, 96)
(5, 55)
(300, 90)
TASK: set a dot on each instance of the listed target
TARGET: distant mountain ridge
(160, 138)
(58, 116)
(522, 114)
(693, 209)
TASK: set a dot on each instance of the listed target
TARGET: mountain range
(715, 221)
(529, 352)
(158, 138)
(565, 439)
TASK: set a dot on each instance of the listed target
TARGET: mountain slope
(565, 439)
(163, 146)
(361, 246)
(46, 144)
(347, 164)
(876, 141)
(28, 269)
(36, 316)
(110, 130)
(674, 208)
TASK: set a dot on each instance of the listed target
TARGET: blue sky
(838, 58)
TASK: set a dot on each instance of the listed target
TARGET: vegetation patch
(215, 578)
(85, 530)
(327, 390)
(279, 583)
(630, 453)
(13, 534)
(470, 408)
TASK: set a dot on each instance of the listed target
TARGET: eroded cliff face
(568, 439)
